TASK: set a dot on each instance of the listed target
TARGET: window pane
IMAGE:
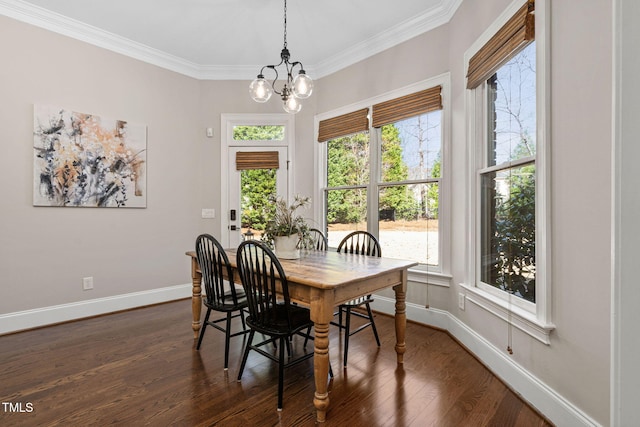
(512, 109)
(408, 222)
(258, 133)
(257, 186)
(348, 160)
(346, 212)
(508, 231)
(411, 148)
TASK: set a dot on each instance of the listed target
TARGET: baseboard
(540, 396)
(28, 319)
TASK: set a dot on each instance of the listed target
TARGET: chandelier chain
(285, 24)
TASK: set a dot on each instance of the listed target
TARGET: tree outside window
(257, 186)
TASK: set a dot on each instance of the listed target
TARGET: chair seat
(239, 291)
(228, 304)
(274, 321)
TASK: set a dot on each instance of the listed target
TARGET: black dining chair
(318, 240)
(361, 243)
(220, 294)
(271, 312)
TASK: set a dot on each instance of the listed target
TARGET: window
(409, 188)
(258, 133)
(507, 179)
(348, 178)
(387, 177)
(506, 102)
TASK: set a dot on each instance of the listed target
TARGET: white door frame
(227, 123)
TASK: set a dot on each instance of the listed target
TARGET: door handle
(232, 215)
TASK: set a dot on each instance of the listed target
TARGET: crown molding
(69, 27)
(63, 25)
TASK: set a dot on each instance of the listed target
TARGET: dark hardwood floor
(140, 367)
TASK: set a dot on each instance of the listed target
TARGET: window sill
(521, 319)
(429, 277)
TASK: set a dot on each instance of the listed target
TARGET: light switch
(208, 213)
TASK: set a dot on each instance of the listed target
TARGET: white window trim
(533, 319)
(227, 123)
(441, 276)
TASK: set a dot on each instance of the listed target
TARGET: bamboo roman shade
(343, 125)
(407, 106)
(246, 160)
(518, 32)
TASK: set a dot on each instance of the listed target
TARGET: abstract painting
(81, 159)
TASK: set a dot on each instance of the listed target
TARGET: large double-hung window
(508, 174)
(507, 179)
(383, 172)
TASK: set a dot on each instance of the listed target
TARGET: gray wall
(45, 251)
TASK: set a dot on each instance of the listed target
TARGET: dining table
(322, 280)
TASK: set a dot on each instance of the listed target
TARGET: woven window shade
(344, 125)
(407, 106)
(246, 160)
(518, 32)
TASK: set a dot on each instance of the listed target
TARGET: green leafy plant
(514, 239)
(285, 221)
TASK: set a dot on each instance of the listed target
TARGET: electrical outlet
(461, 301)
(87, 283)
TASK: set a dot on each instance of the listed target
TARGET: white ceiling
(233, 39)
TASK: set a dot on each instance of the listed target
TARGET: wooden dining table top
(330, 269)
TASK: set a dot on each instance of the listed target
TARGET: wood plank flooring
(140, 367)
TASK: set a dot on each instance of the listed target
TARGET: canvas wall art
(82, 159)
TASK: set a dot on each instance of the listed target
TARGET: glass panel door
(249, 194)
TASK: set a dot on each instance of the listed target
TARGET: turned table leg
(401, 317)
(321, 314)
(196, 297)
(321, 370)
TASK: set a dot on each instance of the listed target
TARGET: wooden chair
(220, 295)
(362, 243)
(270, 309)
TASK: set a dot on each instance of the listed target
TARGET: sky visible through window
(425, 128)
(516, 107)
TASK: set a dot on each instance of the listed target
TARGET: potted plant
(286, 231)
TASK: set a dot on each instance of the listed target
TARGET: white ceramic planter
(286, 246)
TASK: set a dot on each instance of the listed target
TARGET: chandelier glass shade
(293, 89)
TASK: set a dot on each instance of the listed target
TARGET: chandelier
(293, 90)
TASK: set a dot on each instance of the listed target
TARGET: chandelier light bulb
(292, 105)
(302, 85)
(260, 89)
